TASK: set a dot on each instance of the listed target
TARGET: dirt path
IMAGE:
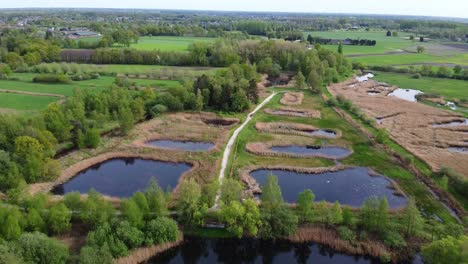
(232, 140)
(31, 93)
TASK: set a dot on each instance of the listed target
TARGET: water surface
(453, 123)
(124, 176)
(406, 94)
(314, 151)
(322, 133)
(248, 250)
(182, 145)
(350, 186)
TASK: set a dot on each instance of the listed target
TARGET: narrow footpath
(232, 140)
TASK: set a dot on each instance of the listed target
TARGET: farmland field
(384, 43)
(25, 102)
(413, 59)
(164, 43)
(451, 89)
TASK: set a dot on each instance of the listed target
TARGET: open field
(25, 102)
(412, 59)
(448, 88)
(384, 43)
(164, 43)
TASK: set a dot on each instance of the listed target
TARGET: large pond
(350, 186)
(182, 145)
(247, 250)
(406, 94)
(314, 151)
(123, 177)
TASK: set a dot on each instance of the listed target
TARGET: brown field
(292, 129)
(411, 124)
(292, 98)
(180, 126)
(287, 111)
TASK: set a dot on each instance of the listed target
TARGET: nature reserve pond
(322, 133)
(351, 186)
(181, 145)
(331, 152)
(124, 176)
(249, 250)
(406, 94)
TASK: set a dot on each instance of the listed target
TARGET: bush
(161, 230)
(38, 248)
(382, 136)
(346, 233)
(394, 240)
(85, 76)
(51, 78)
(417, 76)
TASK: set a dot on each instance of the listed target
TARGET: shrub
(394, 240)
(38, 248)
(417, 76)
(85, 76)
(382, 136)
(161, 230)
(51, 78)
(346, 233)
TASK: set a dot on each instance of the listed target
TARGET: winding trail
(232, 140)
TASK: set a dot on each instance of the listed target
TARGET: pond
(462, 150)
(351, 186)
(406, 94)
(124, 176)
(181, 145)
(322, 133)
(364, 78)
(289, 112)
(249, 250)
(332, 152)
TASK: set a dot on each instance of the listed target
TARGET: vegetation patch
(292, 98)
(297, 129)
(287, 111)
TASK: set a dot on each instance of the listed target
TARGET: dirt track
(411, 125)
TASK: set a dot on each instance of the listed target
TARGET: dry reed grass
(292, 98)
(141, 255)
(287, 111)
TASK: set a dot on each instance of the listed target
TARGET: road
(232, 140)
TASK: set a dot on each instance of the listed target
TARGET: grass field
(412, 59)
(24, 102)
(448, 88)
(24, 83)
(142, 69)
(164, 43)
(384, 43)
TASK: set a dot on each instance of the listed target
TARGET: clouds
(454, 8)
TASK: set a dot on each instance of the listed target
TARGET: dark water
(323, 133)
(314, 151)
(350, 186)
(123, 177)
(229, 250)
(183, 145)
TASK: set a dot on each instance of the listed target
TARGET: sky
(444, 8)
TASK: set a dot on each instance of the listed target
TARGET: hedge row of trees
(457, 72)
(325, 41)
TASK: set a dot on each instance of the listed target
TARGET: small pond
(181, 145)
(248, 250)
(124, 176)
(350, 186)
(453, 123)
(332, 152)
(463, 150)
(286, 112)
(322, 133)
(364, 78)
(406, 94)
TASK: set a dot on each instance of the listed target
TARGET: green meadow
(164, 43)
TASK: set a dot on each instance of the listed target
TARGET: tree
(340, 48)
(188, 203)
(38, 248)
(314, 81)
(420, 49)
(125, 120)
(161, 230)
(56, 122)
(383, 214)
(271, 193)
(348, 218)
(457, 69)
(132, 213)
(92, 138)
(28, 153)
(59, 219)
(446, 250)
(11, 228)
(252, 218)
(34, 221)
(232, 215)
(305, 206)
(412, 220)
(369, 214)
(278, 222)
(389, 33)
(335, 214)
(95, 255)
(395, 34)
(156, 199)
(13, 60)
(96, 210)
(300, 80)
(231, 190)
